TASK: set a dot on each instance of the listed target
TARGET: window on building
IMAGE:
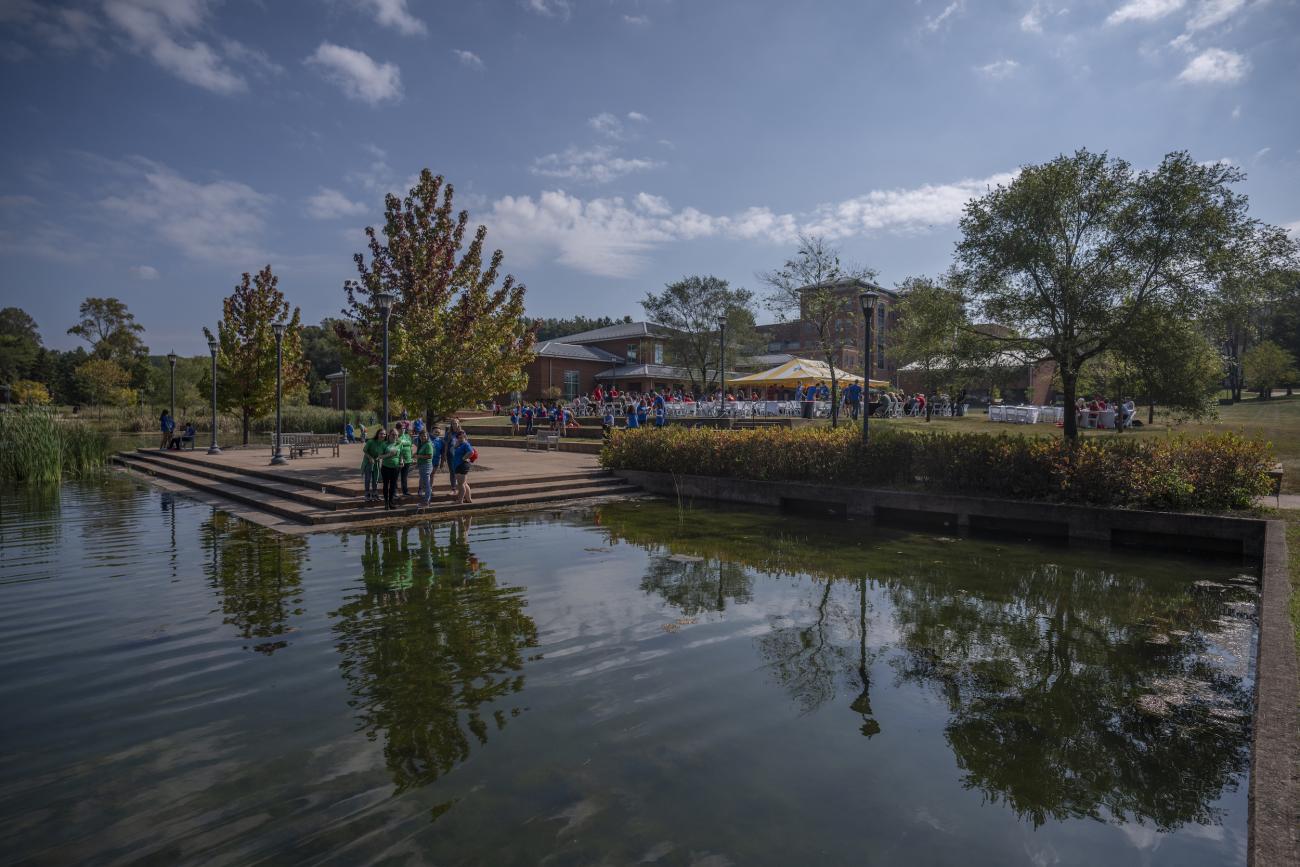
(572, 382)
(659, 353)
(631, 352)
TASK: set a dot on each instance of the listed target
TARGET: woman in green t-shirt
(371, 453)
(407, 449)
(389, 465)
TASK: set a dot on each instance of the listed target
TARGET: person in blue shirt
(607, 421)
(528, 420)
(798, 392)
(166, 424)
(659, 400)
(514, 419)
(642, 413)
(632, 422)
(661, 414)
(460, 464)
(349, 433)
(853, 397)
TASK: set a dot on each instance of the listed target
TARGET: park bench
(1275, 473)
(542, 442)
(298, 444)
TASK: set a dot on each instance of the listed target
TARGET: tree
(1070, 253)
(811, 286)
(934, 333)
(113, 333)
(1267, 366)
(20, 344)
(554, 329)
(105, 381)
(1168, 360)
(455, 339)
(246, 357)
(691, 308)
(25, 391)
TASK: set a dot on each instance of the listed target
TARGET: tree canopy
(456, 338)
(20, 344)
(691, 308)
(246, 357)
(1071, 253)
(113, 334)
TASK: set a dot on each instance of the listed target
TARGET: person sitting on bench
(187, 436)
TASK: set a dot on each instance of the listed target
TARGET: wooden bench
(297, 445)
(542, 442)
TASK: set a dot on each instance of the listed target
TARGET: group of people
(1124, 412)
(388, 456)
(170, 438)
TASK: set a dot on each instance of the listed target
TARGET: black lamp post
(868, 301)
(278, 458)
(722, 364)
(343, 371)
(212, 348)
(171, 359)
(385, 302)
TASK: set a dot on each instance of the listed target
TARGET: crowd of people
(1125, 411)
(388, 456)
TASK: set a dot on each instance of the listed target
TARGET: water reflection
(257, 576)
(1070, 692)
(433, 649)
(1074, 693)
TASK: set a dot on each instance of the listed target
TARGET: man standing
(853, 397)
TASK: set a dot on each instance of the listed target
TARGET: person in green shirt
(407, 450)
(389, 467)
(428, 457)
(371, 453)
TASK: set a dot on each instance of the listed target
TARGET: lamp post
(722, 364)
(385, 302)
(278, 458)
(212, 348)
(343, 436)
(171, 359)
(868, 301)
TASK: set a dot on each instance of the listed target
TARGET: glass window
(571, 384)
(631, 352)
(659, 353)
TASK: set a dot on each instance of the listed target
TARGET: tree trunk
(245, 421)
(1151, 410)
(1070, 385)
(835, 409)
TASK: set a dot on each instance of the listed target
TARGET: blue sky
(156, 149)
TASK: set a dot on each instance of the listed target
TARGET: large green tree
(20, 345)
(456, 337)
(810, 286)
(105, 381)
(934, 333)
(691, 308)
(1167, 360)
(1268, 366)
(1072, 252)
(246, 357)
(113, 334)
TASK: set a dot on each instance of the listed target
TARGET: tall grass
(37, 447)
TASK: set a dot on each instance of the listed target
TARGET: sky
(154, 150)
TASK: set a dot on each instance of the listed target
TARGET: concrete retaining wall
(1275, 757)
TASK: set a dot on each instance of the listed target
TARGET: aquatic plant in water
(36, 446)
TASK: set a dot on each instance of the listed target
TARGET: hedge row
(1211, 472)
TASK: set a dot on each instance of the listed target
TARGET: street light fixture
(722, 364)
(171, 359)
(868, 302)
(385, 301)
(278, 459)
(212, 348)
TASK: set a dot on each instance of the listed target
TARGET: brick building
(631, 355)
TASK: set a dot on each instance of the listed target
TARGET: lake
(625, 683)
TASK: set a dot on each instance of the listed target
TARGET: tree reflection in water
(257, 576)
(433, 649)
(1044, 672)
(1072, 692)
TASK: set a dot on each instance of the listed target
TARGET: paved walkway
(508, 464)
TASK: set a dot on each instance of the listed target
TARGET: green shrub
(35, 446)
(1219, 471)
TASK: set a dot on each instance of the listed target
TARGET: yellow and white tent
(801, 370)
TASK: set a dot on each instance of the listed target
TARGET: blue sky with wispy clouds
(155, 149)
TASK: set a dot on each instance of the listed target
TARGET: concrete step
(275, 487)
(299, 512)
(351, 492)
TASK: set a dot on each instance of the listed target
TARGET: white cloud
(1032, 21)
(1212, 12)
(394, 14)
(1293, 228)
(162, 30)
(998, 69)
(637, 117)
(1143, 10)
(357, 74)
(611, 237)
(935, 22)
(1215, 66)
(1236, 112)
(1260, 154)
(220, 221)
(330, 203)
(636, 20)
(599, 164)
(468, 58)
(606, 124)
(250, 58)
(144, 272)
(549, 8)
